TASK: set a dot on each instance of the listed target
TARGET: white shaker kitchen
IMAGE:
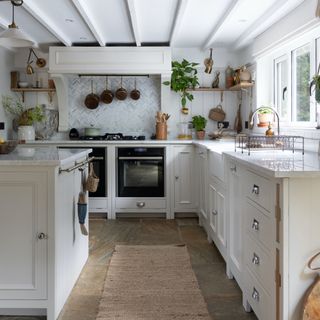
(159, 159)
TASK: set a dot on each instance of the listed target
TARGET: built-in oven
(140, 172)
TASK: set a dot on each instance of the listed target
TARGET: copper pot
(106, 95)
(92, 99)
(135, 94)
(121, 93)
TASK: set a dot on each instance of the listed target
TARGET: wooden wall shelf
(237, 87)
(50, 91)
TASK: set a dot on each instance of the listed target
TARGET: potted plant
(23, 116)
(183, 77)
(199, 123)
(265, 116)
(316, 83)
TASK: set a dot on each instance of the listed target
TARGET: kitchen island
(42, 248)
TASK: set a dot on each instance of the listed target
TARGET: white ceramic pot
(26, 133)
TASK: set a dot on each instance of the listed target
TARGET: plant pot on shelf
(26, 133)
(200, 134)
(265, 119)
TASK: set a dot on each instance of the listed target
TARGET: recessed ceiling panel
(111, 17)
(199, 19)
(155, 19)
(26, 23)
(64, 18)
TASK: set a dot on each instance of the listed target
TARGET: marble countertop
(42, 156)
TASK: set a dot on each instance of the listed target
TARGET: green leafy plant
(316, 83)
(199, 122)
(265, 110)
(24, 116)
(183, 77)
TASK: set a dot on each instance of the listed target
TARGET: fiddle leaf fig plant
(183, 77)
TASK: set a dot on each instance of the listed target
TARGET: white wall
(6, 65)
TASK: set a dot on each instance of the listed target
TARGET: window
(294, 67)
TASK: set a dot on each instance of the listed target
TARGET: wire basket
(256, 142)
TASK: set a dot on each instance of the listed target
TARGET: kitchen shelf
(50, 91)
(237, 87)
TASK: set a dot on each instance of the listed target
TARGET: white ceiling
(180, 23)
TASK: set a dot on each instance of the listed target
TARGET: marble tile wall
(128, 116)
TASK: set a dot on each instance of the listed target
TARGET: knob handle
(176, 177)
(233, 169)
(255, 189)
(255, 225)
(141, 204)
(42, 236)
(255, 294)
(255, 259)
(215, 212)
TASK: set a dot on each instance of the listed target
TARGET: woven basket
(92, 180)
(217, 113)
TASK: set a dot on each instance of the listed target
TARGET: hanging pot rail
(77, 165)
(113, 75)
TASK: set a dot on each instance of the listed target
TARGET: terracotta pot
(200, 134)
(265, 119)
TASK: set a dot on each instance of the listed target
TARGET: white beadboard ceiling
(178, 23)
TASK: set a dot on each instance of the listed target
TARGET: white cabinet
(201, 163)
(23, 231)
(185, 198)
(235, 243)
(217, 215)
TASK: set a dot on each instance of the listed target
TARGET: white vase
(26, 133)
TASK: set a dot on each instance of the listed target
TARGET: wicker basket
(217, 113)
(92, 180)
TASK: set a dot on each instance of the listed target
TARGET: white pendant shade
(13, 37)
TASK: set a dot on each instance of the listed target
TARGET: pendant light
(13, 36)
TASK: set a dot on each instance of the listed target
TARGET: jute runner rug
(151, 283)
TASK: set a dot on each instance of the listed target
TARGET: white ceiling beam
(83, 10)
(134, 22)
(220, 23)
(178, 18)
(47, 23)
(273, 14)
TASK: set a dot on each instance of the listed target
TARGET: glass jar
(184, 133)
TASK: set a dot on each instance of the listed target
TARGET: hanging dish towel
(92, 180)
(311, 309)
(82, 206)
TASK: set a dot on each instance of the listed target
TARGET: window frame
(286, 53)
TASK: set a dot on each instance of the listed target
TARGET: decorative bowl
(22, 84)
(8, 146)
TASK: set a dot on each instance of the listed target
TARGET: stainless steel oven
(140, 172)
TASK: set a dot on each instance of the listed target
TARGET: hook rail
(77, 165)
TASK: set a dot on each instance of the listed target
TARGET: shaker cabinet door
(23, 235)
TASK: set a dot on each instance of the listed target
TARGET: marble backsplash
(129, 116)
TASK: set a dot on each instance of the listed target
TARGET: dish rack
(256, 142)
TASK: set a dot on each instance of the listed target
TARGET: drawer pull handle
(255, 294)
(233, 169)
(255, 225)
(141, 204)
(255, 259)
(255, 189)
(215, 212)
(42, 236)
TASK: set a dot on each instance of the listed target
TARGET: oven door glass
(99, 167)
(140, 178)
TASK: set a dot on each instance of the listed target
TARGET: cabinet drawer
(258, 298)
(260, 263)
(259, 190)
(98, 204)
(140, 204)
(216, 165)
(259, 224)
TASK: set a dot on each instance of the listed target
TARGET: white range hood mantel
(65, 61)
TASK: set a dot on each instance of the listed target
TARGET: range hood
(64, 61)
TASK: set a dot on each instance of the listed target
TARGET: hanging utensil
(121, 93)
(92, 100)
(106, 95)
(208, 62)
(238, 120)
(251, 124)
(135, 94)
